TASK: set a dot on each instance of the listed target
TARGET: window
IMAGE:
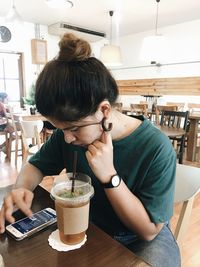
(10, 80)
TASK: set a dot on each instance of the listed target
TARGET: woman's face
(83, 132)
(4, 100)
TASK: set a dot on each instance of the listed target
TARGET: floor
(190, 249)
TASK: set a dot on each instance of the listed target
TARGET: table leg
(192, 140)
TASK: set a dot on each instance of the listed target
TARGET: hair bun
(73, 48)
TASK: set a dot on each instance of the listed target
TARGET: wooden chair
(193, 107)
(143, 102)
(186, 188)
(118, 106)
(160, 108)
(139, 109)
(4, 133)
(31, 131)
(47, 130)
(180, 105)
(15, 134)
(177, 120)
(198, 150)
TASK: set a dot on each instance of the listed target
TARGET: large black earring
(106, 128)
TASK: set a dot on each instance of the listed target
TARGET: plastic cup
(1, 261)
(72, 209)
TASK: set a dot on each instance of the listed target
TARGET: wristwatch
(115, 181)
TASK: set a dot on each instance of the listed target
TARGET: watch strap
(110, 183)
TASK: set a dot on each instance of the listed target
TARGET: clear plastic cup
(1, 261)
(72, 208)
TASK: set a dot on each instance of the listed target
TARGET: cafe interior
(151, 48)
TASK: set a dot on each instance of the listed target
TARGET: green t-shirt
(145, 160)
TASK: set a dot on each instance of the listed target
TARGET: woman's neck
(123, 125)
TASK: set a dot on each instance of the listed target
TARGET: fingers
(2, 221)
(104, 144)
(91, 154)
(88, 156)
(20, 198)
(25, 204)
(92, 148)
(23, 199)
(106, 138)
(8, 209)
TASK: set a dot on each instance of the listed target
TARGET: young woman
(4, 126)
(3, 100)
(131, 163)
(3, 121)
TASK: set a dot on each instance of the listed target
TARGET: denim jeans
(162, 251)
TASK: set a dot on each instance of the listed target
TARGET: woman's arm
(127, 206)
(21, 195)
(29, 177)
(131, 212)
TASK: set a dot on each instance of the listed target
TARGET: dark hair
(71, 86)
(3, 96)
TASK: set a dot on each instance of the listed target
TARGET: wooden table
(28, 117)
(126, 110)
(170, 132)
(192, 135)
(99, 250)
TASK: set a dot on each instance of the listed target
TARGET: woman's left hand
(100, 157)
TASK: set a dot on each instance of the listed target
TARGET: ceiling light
(154, 48)
(110, 54)
(59, 3)
(12, 15)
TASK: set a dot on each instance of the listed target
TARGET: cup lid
(62, 191)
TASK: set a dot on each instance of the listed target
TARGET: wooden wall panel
(160, 86)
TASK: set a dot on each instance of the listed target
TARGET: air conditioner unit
(61, 28)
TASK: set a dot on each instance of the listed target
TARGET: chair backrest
(138, 109)
(175, 119)
(186, 188)
(118, 106)
(143, 102)
(193, 107)
(31, 129)
(180, 105)
(160, 108)
(12, 121)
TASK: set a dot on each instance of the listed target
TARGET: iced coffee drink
(72, 207)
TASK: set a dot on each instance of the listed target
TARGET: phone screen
(29, 223)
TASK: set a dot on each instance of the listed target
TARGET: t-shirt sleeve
(157, 189)
(49, 159)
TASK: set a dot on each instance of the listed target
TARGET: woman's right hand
(19, 198)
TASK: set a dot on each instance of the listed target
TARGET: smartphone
(30, 225)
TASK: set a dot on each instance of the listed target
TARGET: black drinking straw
(74, 170)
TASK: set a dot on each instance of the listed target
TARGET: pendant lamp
(110, 54)
(154, 48)
(13, 16)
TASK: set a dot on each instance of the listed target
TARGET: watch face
(5, 34)
(115, 180)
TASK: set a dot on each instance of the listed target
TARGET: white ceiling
(134, 15)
